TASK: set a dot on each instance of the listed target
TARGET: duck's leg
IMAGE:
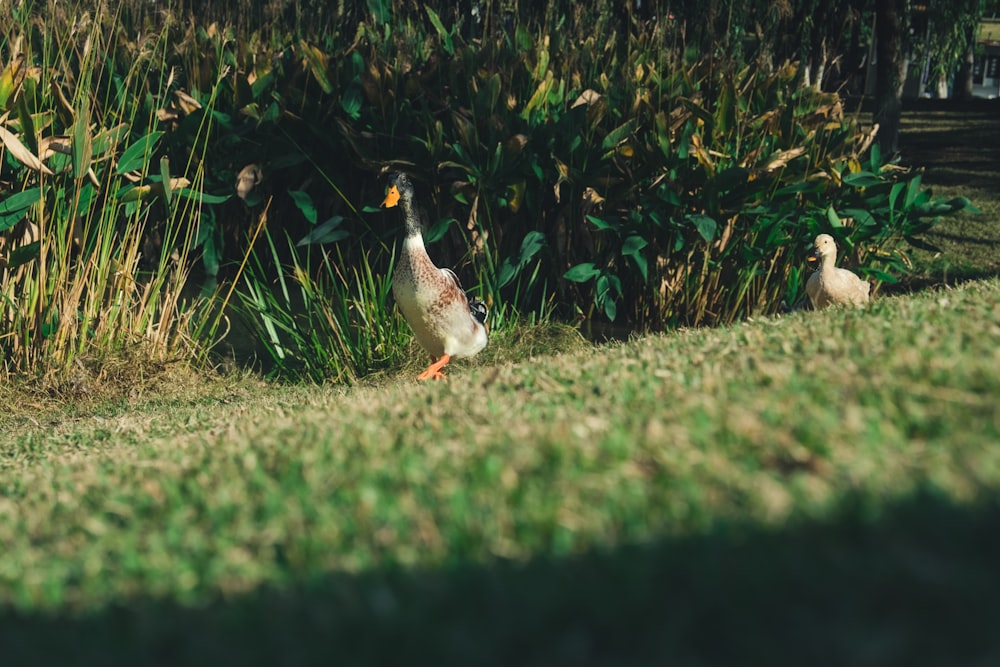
(434, 371)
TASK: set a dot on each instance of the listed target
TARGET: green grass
(816, 489)
(813, 489)
(959, 149)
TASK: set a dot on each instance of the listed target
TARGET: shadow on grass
(958, 143)
(935, 278)
(913, 584)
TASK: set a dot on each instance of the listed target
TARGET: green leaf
(581, 273)
(863, 179)
(136, 156)
(921, 244)
(209, 238)
(326, 232)
(210, 255)
(632, 248)
(732, 178)
(875, 158)
(879, 274)
(912, 191)
(28, 130)
(82, 145)
(24, 254)
(352, 98)
(510, 268)
(21, 201)
(445, 36)
(305, 204)
(610, 309)
(608, 289)
(833, 218)
(705, 225)
(436, 231)
(963, 204)
(532, 242)
(506, 273)
(799, 188)
(633, 244)
(619, 134)
(381, 10)
(168, 192)
(202, 197)
(861, 216)
(894, 193)
(601, 223)
(50, 327)
(107, 139)
(642, 264)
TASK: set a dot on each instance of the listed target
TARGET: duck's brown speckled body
(431, 299)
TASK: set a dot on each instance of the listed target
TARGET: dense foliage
(566, 166)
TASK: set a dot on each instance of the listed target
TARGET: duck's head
(397, 186)
(823, 246)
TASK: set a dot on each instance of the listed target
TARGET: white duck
(444, 321)
(829, 285)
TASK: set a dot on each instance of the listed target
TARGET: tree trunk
(890, 72)
(963, 80)
(941, 87)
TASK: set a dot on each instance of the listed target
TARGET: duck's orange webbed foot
(434, 371)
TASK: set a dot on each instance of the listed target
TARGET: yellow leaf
(249, 177)
(136, 193)
(21, 152)
(784, 157)
(63, 107)
(49, 146)
(187, 103)
(10, 80)
(516, 197)
(318, 64)
(588, 97)
(143, 192)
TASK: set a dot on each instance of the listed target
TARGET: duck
(829, 285)
(445, 321)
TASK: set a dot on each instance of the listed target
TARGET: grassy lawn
(959, 147)
(819, 488)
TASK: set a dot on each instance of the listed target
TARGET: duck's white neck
(828, 262)
(413, 242)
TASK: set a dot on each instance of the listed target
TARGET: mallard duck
(829, 285)
(444, 320)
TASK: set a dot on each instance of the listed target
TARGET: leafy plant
(315, 320)
(573, 163)
(85, 190)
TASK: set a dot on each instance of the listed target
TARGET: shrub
(567, 167)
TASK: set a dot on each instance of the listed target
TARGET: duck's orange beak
(812, 259)
(391, 197)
